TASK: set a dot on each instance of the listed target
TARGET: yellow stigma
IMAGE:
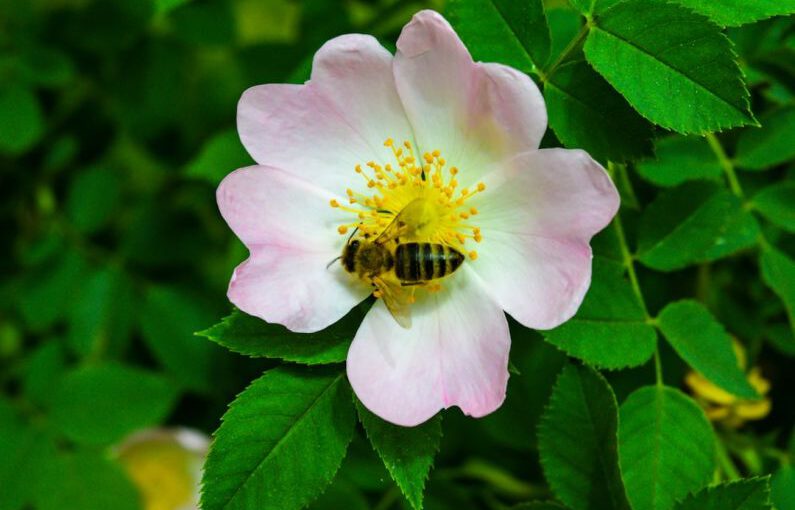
(442, 214)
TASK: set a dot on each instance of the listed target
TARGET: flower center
(427, 194)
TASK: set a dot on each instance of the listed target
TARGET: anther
(342, 229)
(334, 203)
(481, 186)
(473, 255)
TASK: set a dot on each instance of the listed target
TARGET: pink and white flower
(524, 215)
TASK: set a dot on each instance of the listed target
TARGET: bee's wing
(406, 222)
(396, 228)
(397, 299)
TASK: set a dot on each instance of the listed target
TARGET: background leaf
(663, 58)
(782, 487)
(658, 427)
(749, 494)
(407, 452)
(266, 452)
(703, 343)
(680, 159)
(771, 144)
(512, 32)
(692, 223)
(584, 474)
(610, 329)
(778, 272)
(21, 120)
(777, 204)
(252, 336)
(125, 398)
(86, 481)
(587, 113)
(737, 12)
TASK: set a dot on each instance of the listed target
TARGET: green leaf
(168, 320)
(782, 490)
(666, 447)
(407, 452)
(100, 321)
(777, 204)
(164, 6)
(26, 454)
(778, 272)
(578, 443)
(49, 292)
(539, 363)
(220, 155)
(93, 198)
(769, 145)
(732, 13)
(748, 494)
(538, 505)
(589, 7)
(511, 32)
(281, 441)
(665, 59)
(703, 343)
(610, 329)
(695, 222)
(43, 371)
(341, 495)
(21, 120)
(86, 481)
(121, 399)
(254, 337)
(680, 159)
(586, 112)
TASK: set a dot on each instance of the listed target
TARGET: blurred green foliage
(117, 121)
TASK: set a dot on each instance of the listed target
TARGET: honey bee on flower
(421, 172)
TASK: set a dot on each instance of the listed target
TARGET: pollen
(424, 190)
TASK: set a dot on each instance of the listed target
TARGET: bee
(395, 268)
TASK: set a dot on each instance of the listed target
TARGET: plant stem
(388, 499)
(570, 48)
(726, 463)
(727, 165)
(628, 260)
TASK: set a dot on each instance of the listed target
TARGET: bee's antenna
(333, 261)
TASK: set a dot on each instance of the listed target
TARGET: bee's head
(349, 255)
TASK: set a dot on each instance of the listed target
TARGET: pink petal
(535, 258)
(293, 288)
(290, 228)
(455, 354)
(475, 114)
(338, 119)
(269, 206)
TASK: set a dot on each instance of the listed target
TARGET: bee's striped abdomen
(419, 262)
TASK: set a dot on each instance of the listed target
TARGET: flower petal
(294, 288)
(338, 119)
(537, 216)
(556, 193)
(289, 227)
(455, 354)
(476, 114)
(269, 206)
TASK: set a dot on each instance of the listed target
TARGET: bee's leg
(410, 284)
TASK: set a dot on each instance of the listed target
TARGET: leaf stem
(727, 165)
(628, 260)
(389, 498)
(725, 462)
(570, 48)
